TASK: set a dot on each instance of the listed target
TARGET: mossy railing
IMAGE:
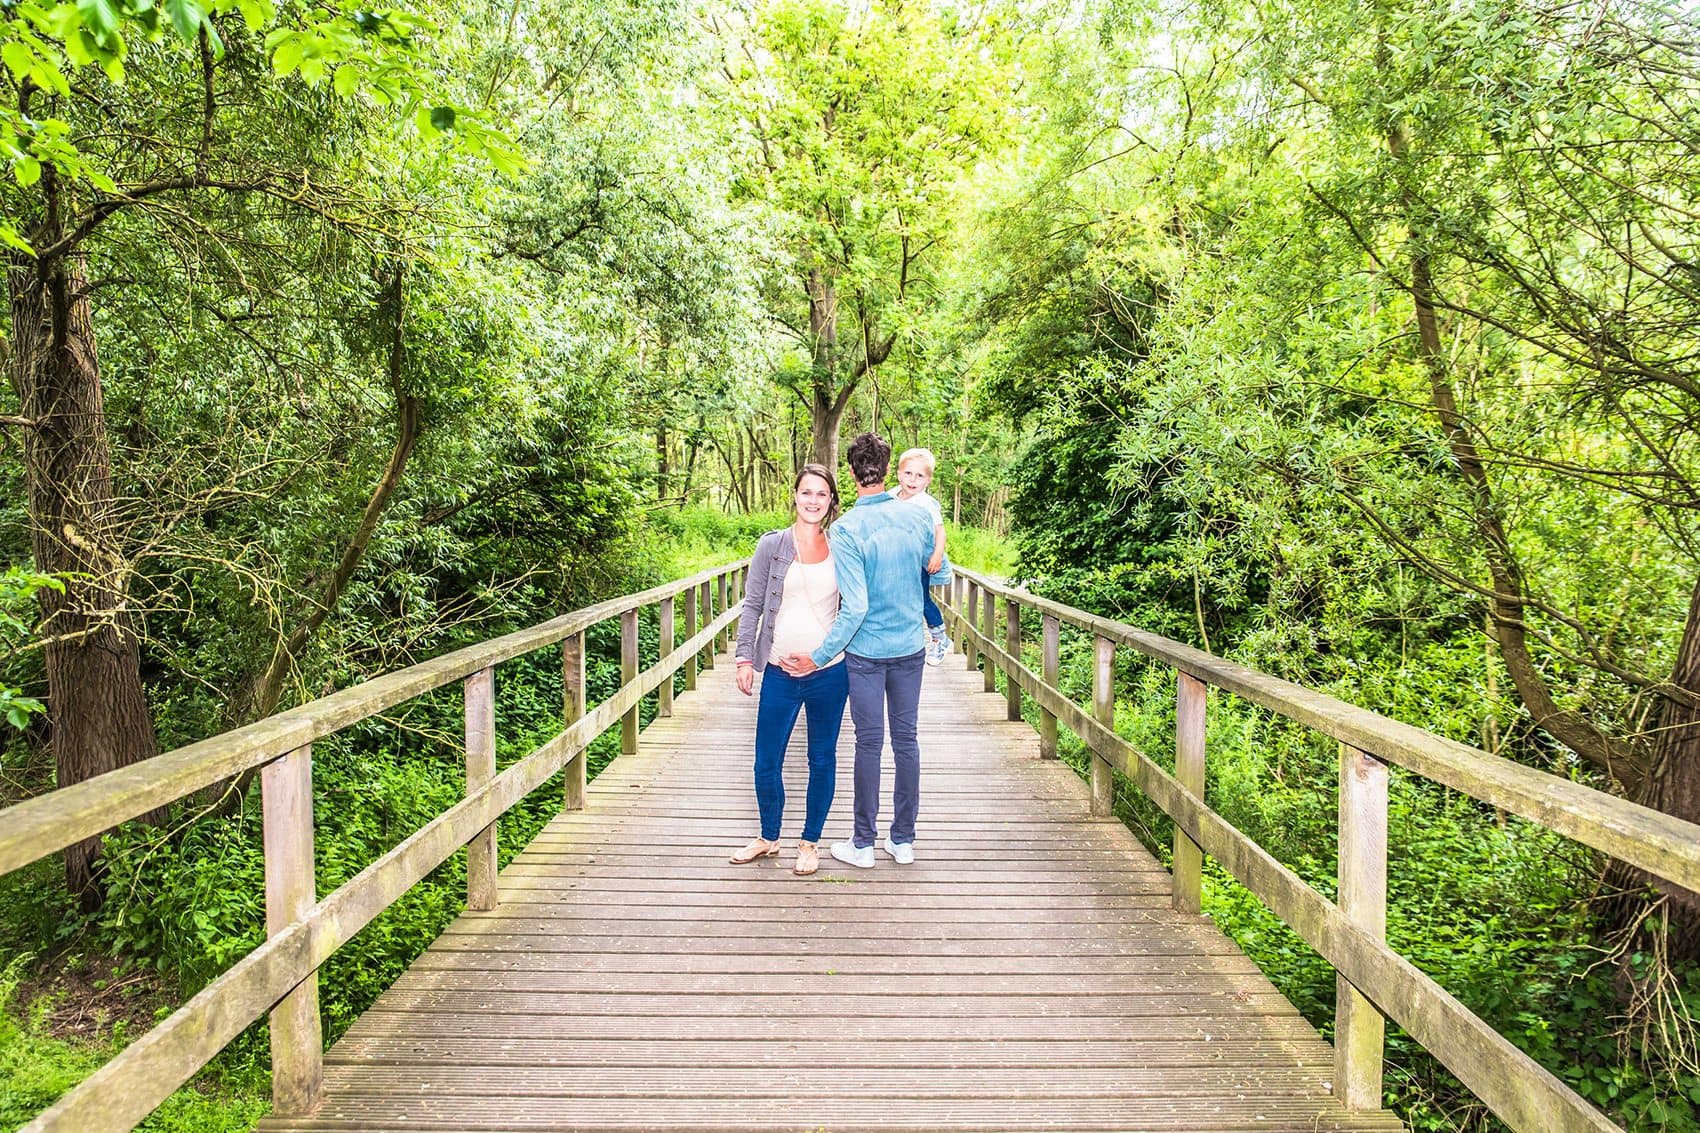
(281, 975)
(1373, 981)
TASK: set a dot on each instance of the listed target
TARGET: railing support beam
(1052, 651)
(988, 626)
(628, 674)
(706, 605)
(1359, 1029)
(1190, 698)
(1012, 645)
(286, 806)
(690, 632)
(480, 695)
(1104, 709)
(572, 711)
(664, 705)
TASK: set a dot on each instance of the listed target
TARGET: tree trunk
(98, 712)
(1672, 785)
(408, 427)
(1668, 780)
(663, 471)
(826, 408)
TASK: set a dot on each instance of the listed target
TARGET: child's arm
(937, 560)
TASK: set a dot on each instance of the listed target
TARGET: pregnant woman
(790, 603)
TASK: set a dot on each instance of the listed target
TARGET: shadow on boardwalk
(1025, 972)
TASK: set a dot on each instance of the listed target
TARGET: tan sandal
(808, 859)
(758, 848)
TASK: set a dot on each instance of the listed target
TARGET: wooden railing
(1372, 980)
(281, 975)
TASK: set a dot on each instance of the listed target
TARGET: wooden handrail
(131, 1085)
(48, 823)
(1350, 935)
(1661, 845)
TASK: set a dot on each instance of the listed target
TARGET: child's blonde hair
(921, 454)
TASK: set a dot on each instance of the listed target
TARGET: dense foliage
(1352, 341)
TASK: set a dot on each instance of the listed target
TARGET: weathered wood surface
(1026, 972)
(1662, 845)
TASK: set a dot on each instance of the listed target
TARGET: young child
(914, 475)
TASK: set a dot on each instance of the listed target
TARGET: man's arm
(852, 594)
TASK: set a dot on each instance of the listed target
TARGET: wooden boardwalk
(1025, 972)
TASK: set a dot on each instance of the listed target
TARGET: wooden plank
(1104, 708)
(664, 617)
(286, 803)
(1359, 1031)
(1190, 698)
(1012, 643)
(572, 710)
(631, 978)
(480, 698)
(1051, 661)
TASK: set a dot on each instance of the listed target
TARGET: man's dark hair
(870, 458)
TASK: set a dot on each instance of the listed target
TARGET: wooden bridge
(1035, 968)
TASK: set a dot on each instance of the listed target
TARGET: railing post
(628, 674)
(1012, 644)
(959, 594)
(690, 632)
(969, 608)
(664, 707)
(1104, 708)
(1047, 718)
(286, 807)
(572, 711)
(1190, 696)
(706, 605)
(1359, 1030)
(480, 690)
(989, 625)
(723, 594)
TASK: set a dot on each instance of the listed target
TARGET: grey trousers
(882, 689)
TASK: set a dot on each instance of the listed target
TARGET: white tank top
(806, 610)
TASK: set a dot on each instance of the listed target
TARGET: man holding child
(882, 546)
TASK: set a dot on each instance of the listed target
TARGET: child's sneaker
(937, 648)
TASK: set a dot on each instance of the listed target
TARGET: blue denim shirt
(881, 546)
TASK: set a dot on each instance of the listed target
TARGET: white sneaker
(862, 857)
(937, 648)
(903, 853)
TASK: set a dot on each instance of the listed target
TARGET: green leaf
(19, 59)
(443, 118)
(287, 57)
(11, 237)
(186, 16)
(81, 48)
(100, 17)
(345, 82)
(256, 14)
(27, 170)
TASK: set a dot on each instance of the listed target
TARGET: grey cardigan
(775, 553)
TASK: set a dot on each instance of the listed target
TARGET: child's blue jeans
(821, 696)
(929, 608)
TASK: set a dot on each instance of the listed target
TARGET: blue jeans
(821, 696)
(885, 688)
(929, 608)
